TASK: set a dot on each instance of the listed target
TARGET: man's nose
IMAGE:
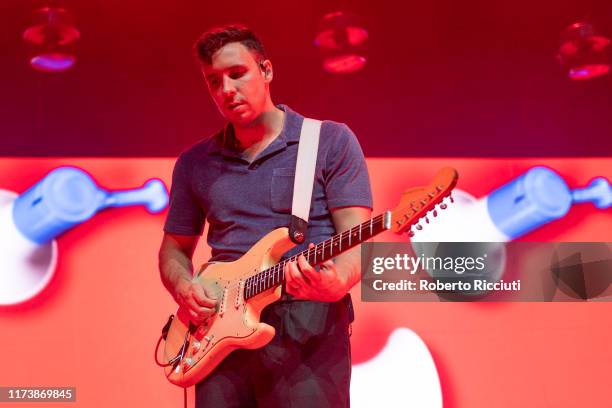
(228, 86)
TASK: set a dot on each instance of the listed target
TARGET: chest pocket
(281, 191)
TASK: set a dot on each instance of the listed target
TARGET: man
(241, 181)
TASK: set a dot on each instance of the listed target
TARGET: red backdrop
(96, 325)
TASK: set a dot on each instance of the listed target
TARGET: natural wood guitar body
(246, 286)
(236, 323)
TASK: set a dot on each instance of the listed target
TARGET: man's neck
(255, 137)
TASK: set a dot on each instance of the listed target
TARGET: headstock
(417, 202)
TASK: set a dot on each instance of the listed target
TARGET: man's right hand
(200, 302)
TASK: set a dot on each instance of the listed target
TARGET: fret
(345, 240)
(277, 273)
(323, 252)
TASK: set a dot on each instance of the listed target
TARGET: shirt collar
(290, 134)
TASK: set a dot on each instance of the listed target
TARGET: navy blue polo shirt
(244, 201)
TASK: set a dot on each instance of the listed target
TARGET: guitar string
(271, 273)
(275, 270)
(262, 277)
(308, 252)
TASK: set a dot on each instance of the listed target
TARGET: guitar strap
(304, 179)
(302, 190)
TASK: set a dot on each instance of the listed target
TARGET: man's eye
(236, 75)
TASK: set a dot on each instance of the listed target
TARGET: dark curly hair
(215, 38)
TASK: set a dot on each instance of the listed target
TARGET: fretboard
(318, 254)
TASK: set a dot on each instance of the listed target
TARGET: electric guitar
(245, 286)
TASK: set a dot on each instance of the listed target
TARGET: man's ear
(266, 69)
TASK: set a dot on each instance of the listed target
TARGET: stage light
(341, 42)
(583, 53)
(52, 38)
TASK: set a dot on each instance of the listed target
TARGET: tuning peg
(451, 198)
(435, 213)
(419, 227)
(427, 220)
(443, 206)
(411, 233)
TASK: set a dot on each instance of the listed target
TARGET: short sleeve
(185, 214)
(347, 180)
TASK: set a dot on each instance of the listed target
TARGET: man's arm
(334, 278)
(349, 262)
(176, 271)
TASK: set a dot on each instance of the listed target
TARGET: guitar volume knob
(187, 362)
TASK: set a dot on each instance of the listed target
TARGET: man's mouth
(234, 105)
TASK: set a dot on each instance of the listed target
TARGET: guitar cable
(173, 361)
(176, 358)
(163, 336)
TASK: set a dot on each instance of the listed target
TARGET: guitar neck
(323, 251)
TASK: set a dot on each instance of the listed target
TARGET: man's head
(237, 72)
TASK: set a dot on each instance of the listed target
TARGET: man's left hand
(303, 281)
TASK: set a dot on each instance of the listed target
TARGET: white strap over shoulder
(305, 169)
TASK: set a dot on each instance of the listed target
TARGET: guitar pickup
(223, 303)
(240, 295)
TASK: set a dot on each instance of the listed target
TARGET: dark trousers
(307, 363)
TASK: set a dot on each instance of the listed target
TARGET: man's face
(236, 83)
